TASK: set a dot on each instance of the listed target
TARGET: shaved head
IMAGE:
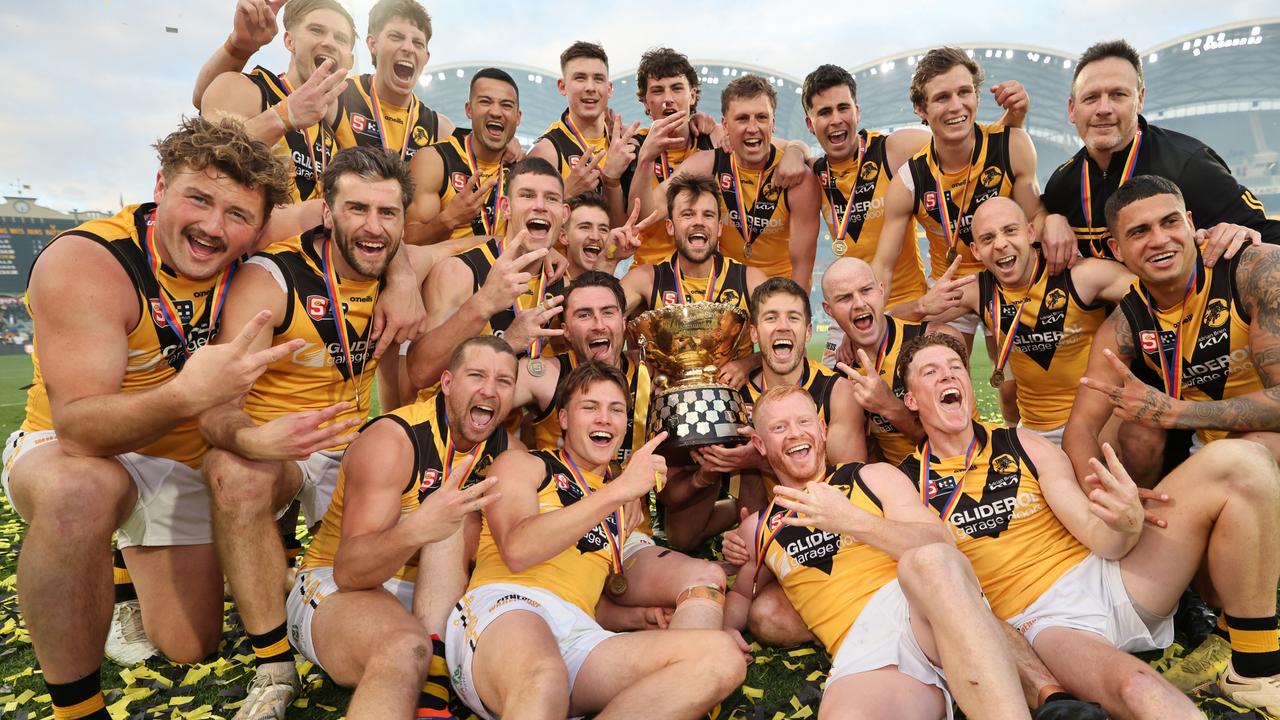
(843, 271)
(997, 211)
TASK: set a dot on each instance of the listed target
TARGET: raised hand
(531, 324)
(664, 134)
(645, 469)
(217, 374)
(1012, 97)
(467, 205)
(508, 278)
(819, 505)
(1115, 499)
(946, 293)
(310, 102)
(254, 24)
(296, 435)
(1133, 399)
(870, 390)
(585, 176)
(441, 514)
(624, 240)
(622, 150)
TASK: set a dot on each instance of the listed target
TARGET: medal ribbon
(578, 137)
(615, 540)
(488, 213)
(840, 228)
(743, 226)
(711, 282)
(449, 452)
(956, 492)
(950, 232)
(664, 166)
(167, 308)
(410, 121)
(316, 169)
(1171, 364)
(1005, 346)
(539, 296)
(1086, 192)
(766, 535)
(339, 315)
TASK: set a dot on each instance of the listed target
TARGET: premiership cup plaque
(684, 347)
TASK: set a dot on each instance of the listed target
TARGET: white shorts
(882, 637)
(1091, 596)
(835, 336)
(635, 542)
(967, 324)
(1054, 436)
(173, 501)
(576, 632)
(310, 589)
(319, 479)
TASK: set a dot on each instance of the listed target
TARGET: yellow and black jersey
(480, 261)
(426, 424)
(828, 578)
(156, 351)
(307, 150)
(458, 162)
(1207, 338)
(570, 145)
(369, 122)
(656, 244)
(546, 422)
(578, 573)
(815, 378)
(1079, 188)
(892, 444)
(990, 174)
(319, 374)
(853, 207)
(754, 202)
(1055, 332)
(727, 281)
(999, 517)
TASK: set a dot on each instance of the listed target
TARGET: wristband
(234, 51)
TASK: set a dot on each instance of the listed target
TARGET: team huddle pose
(520, 528)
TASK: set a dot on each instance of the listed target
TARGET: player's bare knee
(546, 679)
(57, 494)
(408, 646)
(922, 570)
(184, 645)
(706, 573)
(236, 483)
(1246, 466)
(1139, 689)
(719, 662)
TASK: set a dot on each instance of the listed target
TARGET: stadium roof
(1225, 69)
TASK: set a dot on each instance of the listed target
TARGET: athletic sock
(1255, 645)
(433, 701)
(1221, 628)
(123, 581)
(79, 700)
(271, 646)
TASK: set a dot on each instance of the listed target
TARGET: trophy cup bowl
(684, 346)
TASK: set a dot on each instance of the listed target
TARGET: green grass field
(780, 683)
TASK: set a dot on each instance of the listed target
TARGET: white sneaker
(1262, 693)
(273, 689)
(127, 643)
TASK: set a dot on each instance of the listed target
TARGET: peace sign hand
(870, 390)
(1133, 399)
(622, 150)
(625, 240)
(946, 293)
(467, 205)
(585, 176)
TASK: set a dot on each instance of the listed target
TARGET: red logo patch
(726, 181)
(317, 306)
(1150, 341)
(669, 297)
(931, 200)
(826, 178)
(157, 314)
(562, 481)
(459, 181)
(573, 160)
(358, 122)
(429, 479)
(775, 521)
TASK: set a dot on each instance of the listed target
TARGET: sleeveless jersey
(767, 215)
(426, 424)
(1215, 357)
(480, 260)
(1055, 332)
(569, 151)
(458, 172)
(864, 188)
(546, 422)
(815, 378)
(360, 123)
(578, 573)
(989, 175)
(307, 150)
(893, 445)
(156, 354)
(827, 577)
(1000, 519)
(656, 244)
(318, 375)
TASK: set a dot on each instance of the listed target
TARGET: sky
(90, 84)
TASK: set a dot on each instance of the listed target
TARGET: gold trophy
(684, 347)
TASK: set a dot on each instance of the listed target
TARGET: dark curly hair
(225, 146)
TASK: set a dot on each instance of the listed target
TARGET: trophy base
(694, 416)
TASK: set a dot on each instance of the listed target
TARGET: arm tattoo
(1256, 411)
(1124, 336)
(1259, 281)
(1267, 361)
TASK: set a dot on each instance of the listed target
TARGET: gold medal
(536, 367)
(997, 379)
(952, 254)
(746, 250)
(617, 584)
(839, 247)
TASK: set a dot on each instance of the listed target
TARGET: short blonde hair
(779, 393)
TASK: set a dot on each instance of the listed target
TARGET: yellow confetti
(196, 674)
(802, 652)
(25, 696)
(752, 694)
(180, 700)
(803, 712)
